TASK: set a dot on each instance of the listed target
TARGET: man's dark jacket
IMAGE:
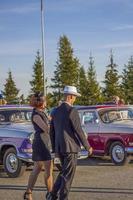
(66, 131)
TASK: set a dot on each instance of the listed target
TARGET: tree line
(69, 71)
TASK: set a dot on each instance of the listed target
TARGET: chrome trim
(25, 157)
(26, 160)
(129, 150)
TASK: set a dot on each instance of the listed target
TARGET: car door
(91, 125)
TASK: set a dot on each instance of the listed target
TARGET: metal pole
(43, 44)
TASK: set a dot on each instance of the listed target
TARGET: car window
(89, 117)
(111, 115)
(20, 116)
(15, 115)
(2, 118)
(114, 115)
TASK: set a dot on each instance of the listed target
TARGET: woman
(41, 146)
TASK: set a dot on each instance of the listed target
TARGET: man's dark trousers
(65, 177)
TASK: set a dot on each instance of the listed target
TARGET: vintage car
(109, 129)
(16, 135)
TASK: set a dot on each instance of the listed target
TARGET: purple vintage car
(109, 129)
(16, 135)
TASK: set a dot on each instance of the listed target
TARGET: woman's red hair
(37, 102)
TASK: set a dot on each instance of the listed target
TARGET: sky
(91, 26)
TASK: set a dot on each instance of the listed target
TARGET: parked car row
(16, 136)
(109, 130)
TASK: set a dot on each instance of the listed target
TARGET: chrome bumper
(25, 157)
(129, 150)
(81, 155)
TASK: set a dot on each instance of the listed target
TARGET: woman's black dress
(41, 148)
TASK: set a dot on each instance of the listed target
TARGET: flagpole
(43, 44)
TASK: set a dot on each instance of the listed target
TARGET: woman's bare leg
(48, 177)
(33, 177)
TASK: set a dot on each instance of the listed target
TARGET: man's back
(67, 130)
(65, 138)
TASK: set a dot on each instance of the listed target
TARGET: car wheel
(118, 153)
(12, 165)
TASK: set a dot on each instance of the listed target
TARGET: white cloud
(20, 9)
(72, 5)
(22, 47)
(116, 45)
(123, 27)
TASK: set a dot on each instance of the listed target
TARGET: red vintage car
(109, 130)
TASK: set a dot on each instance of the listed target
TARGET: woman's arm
(41, 123)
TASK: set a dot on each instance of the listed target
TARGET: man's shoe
(48, 196)
(51, 196)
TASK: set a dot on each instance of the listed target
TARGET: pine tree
(112, 86)
(93, 88)
(127, 82)
(82, 81)
(10, 90)
(57, 84)
(67, 67)
(37, 83)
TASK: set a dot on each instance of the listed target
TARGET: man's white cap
(71, 90)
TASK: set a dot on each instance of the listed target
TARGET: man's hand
(90, 151)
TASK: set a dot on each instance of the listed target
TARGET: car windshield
(15, 115)
(114, 114)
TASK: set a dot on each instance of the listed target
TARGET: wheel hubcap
(11, 162)
(118, 153)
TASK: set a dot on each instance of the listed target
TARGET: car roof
(95, 107)
(15, 107)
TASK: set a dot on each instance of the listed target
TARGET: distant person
(2, 100)
(115, 101)
(41, 146)
(54, 108)
(66, 137)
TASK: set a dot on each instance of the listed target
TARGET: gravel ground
(95, 179)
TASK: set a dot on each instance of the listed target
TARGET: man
(2, 100)
(116, 100)
(66, 137)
